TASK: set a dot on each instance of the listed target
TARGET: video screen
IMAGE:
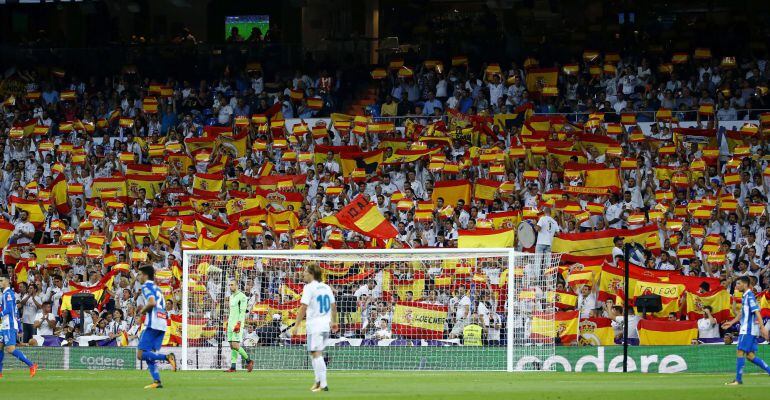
(245, 24)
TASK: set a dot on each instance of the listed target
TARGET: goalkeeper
(235, 326)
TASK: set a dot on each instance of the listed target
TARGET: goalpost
(405, 309)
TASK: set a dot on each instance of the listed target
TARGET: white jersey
(319, 299)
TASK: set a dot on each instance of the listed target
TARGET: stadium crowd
(85, 131)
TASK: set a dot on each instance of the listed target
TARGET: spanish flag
(494, 238)
(207, 185)
(364, 218)
(597, 175)
(718, 299)
(504, 219)
(539, 78)
(368, 161)
(669, 293)
(546, 327)
(680, 58)
(109, 188)
(458, 61)
(417, 320)
(596, 332)
(59, 194)
(21, 271)
(562, 300)
(239, 143)
(296, 95)
(197, 143)
(702, 53)
(667, 333)
(6, 229)
(150, 183)
(600, 244)
(452, 191)
(485, 189)
(211, 226)
(102, 296)
(379, 73)
(288, 216)
(32, 207)
(393, 286)
(229, 239)
(577, 278)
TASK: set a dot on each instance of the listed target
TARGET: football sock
(739, 369)
(153, 368)
(761, 364)
(150, 356)
(233, 358)
(320, 365)
(18, 354)
(243, 353)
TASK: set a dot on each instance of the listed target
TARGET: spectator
(708, 327)
(45, 321)
(31, 303)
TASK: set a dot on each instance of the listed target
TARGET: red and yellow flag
(32, 207)
(719, 300)
(452, 191)
(150, 183)
(562, 324)
(495, 238)
(229, 239)
(207, 185)
(289, 217)
(485, 189)
(392, 286)
(59, 194)
(101, 295)
(668, 292)
(667, 333)
(366, 160)
(6, 229)
(538, 78)
(563, 300)
(364, 218)
(109, 188)
(596, 332)
(599, 244)
(416, 320)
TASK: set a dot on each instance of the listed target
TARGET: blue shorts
(8, 337)
(151, 339)
(747, 343)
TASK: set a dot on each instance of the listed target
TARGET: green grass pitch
(118, 385)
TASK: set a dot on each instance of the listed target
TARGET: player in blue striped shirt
(156, 324)
(751, 327)
(9, 327)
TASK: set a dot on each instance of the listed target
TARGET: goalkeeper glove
(237, 327)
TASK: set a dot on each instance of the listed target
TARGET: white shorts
(317, 341)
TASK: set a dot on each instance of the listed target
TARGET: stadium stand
(663, 149)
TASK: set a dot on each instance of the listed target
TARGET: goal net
(438, 309)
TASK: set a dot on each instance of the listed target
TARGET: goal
(423, 309)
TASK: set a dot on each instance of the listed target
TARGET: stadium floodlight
(405, 309)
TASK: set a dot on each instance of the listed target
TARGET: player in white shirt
(320, 307)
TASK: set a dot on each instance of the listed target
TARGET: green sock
(243, 353)
(233, 357)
